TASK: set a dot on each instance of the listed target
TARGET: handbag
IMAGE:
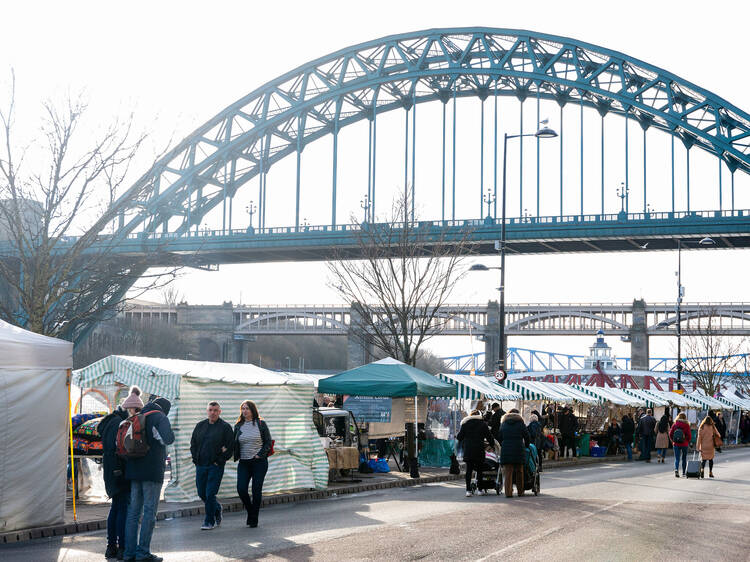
(271, 451)
(717, 440)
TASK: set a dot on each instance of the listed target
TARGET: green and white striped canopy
(284, 401)
(705, 402)
(613, 395)
(735, 402)
(650, 400)
(557, 392)
(479, 387)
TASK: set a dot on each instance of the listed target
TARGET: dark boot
(111, 551)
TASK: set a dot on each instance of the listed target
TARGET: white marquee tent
(283, 399)
(34, 418)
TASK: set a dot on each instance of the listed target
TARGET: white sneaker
(468, 494)
(482, 492)
(206, 527)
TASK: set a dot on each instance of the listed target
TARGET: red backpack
(131, 437)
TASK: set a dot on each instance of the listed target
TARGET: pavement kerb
(236, 505)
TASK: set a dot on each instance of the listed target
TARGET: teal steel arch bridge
(184, 209)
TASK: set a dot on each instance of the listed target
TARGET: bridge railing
(483, 222)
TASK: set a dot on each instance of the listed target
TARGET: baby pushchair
(531, 479)
(492, 476)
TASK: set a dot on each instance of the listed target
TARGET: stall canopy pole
(70, 436)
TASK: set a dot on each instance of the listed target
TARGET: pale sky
(179, 63)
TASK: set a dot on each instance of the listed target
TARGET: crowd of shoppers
(135, 437)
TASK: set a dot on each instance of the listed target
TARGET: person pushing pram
(514, 438)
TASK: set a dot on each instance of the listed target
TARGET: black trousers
(251, 470)
(472, 466)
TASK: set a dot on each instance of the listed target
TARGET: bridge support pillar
(639, 355)
(358, 346)
(492, 337)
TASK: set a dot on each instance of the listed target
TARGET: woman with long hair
(708, 440)
(662, 438)
(252, 442)
(680, 435)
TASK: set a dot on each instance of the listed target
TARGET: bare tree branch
(58, 274)
(405, 273)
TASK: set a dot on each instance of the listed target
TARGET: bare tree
(58, 272)
(406, 273)
(711, 356)
(172, 296)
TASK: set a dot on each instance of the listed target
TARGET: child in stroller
(491, 476)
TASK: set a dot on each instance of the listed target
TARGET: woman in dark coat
(474, 436)
(628, 431)
(513, 438)
(536, 436)
(721, 427)
(113, 468)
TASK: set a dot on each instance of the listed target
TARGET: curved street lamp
(544, 132)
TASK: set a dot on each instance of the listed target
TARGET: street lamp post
(681, 293)
(544, 132)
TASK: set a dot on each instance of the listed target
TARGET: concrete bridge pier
(492, 337)
(358, 345)
(639, 354)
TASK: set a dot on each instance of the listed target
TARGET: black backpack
(678, 436)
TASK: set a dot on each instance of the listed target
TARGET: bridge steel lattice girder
(390, 69)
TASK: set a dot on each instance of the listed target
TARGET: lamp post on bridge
(543, 132)
(251, 210)
(489, 198)
(365, 204)
(681, 293)
(622, 193)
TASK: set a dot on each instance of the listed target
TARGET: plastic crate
(598, 451)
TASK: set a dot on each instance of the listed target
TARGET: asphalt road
(611, 511)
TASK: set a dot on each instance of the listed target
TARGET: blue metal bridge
(196, 205)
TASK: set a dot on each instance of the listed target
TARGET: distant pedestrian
(537, 436)
(721, 427)
(474, 437)
(568, 429)
(645, 430)
(707, 442)
(496, 417)
(745, 428)
(252, 442)
(614, 436)
(680, 436)
(513, 438)
(662, 438)
(115, 484)
(628, 431)
(211, 446)
(146, 475)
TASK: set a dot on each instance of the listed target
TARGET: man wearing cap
(146, 475)
(211, 446)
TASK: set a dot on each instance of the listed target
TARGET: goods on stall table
(86, 439)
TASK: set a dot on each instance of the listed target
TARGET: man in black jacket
(645, 430)
(211, 446)
(496, 418)
(568, 428)
(628, 431)
(113, 468)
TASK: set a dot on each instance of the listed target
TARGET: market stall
(34, 401)
(284, 401)
(389, 379)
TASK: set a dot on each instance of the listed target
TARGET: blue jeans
(144, 496)
(680, 452)
(662, 452)
(629, 449)
(118, 514)
(255, 470)
(207, 481)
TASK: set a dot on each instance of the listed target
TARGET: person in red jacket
(680, 436)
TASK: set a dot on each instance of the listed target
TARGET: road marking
(546, 533)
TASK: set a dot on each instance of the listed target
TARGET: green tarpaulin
(386, 377)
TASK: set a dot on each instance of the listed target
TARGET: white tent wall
(33, 437)
(299, 462)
